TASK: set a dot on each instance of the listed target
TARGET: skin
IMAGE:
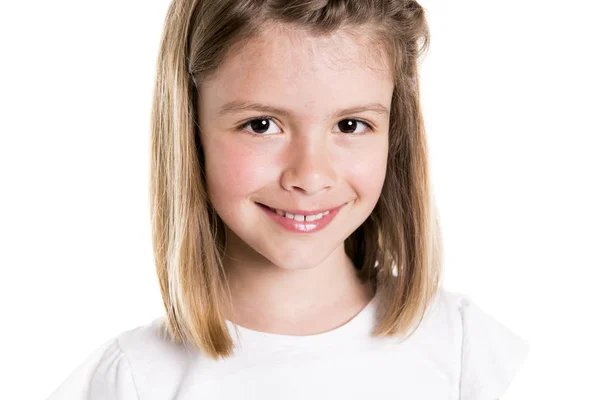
(284, 282)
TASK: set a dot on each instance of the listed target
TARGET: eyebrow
(238, 106)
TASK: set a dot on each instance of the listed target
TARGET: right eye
(260, 126)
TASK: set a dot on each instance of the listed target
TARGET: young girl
(294, 229)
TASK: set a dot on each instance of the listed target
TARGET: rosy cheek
(235, 170)
(365, 169)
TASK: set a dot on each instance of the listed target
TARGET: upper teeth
(299, 217)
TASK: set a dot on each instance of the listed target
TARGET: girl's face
(295, 123)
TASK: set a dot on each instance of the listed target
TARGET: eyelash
(268, 118)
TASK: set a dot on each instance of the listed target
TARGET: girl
(294, 229)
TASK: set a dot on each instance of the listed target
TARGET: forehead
(303, 72)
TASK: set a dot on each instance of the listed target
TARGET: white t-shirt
(459, 352)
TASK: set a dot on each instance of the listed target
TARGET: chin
(296, 255)
(296, 263)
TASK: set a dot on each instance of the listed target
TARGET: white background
(511, 100)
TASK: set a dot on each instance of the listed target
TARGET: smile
(299, 217)
(300, 221)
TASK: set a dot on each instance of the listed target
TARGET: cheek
(365, 170)
(234, 171)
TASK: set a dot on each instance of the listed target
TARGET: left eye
(349, 126)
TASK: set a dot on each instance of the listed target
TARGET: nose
(309, 167)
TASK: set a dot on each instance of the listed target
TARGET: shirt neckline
(358, 326)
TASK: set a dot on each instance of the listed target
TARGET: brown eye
(260, 126)
(350, 126)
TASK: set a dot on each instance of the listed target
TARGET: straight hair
(397, 249)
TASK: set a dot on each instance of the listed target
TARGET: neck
(270, 298)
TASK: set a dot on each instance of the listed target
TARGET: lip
(302, 226)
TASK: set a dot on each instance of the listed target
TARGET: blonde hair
(397, 249)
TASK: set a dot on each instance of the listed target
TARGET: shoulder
(125, 367)
(104, 374)
(152, 342)
(490, 354)
(154, 357)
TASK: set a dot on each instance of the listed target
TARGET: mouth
(301, 221)
(301, 215)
